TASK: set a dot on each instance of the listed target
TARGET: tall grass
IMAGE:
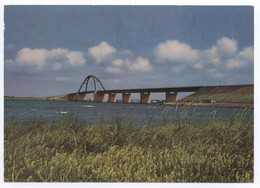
(72, 150)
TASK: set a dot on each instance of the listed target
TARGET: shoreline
(220, 105)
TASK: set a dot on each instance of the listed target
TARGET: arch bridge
(103, 95)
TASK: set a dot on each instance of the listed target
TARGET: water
(141, 114)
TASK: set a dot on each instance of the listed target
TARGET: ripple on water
(62, 112)
(87, 106)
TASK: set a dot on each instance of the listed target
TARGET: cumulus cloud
(226, 46)
(242, 59)
(247, 54)
(100, 52)
(223, 55)
(76, 58)
(217, 54)
(36, 59)
(235, 64)
(173, 50)
(211, 55)
(141, 65)
(118, 62)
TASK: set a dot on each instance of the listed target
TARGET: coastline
(220, 105)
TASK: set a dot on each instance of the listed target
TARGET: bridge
(171, 93)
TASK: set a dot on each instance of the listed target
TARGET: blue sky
(49, 50)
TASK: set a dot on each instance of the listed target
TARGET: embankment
(243, 94)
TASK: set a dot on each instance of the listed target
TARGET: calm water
(141, 114)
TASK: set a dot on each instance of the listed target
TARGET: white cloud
(173, 50)
(235, 64)
(212, 56)
(118, 62)
(226, 46)
(140, 65)
(247, 53)
(242, 59)
(100, 52)
(76, 58)
(58, 53)
(36, 59)
(225, 50)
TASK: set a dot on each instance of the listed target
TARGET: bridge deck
(154, 90)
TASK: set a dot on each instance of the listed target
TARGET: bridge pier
(100, 97)
(145, 97)
(112, 97)
(172, 97)
(126, 97)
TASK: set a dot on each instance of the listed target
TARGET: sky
(50, 50)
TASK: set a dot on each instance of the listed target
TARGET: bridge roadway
(145, 94)
(172, 94)
(151, 90)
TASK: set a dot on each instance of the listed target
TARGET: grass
(224, 94)
(224, 97)
(72, 150)
(58, 97)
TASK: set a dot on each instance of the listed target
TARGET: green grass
(223, 97)
(71, 150)
(58, 97)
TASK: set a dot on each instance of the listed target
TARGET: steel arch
(95, 80)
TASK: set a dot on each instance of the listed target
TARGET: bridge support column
(172, 97)
(77, 97)
(112, 97)
(100, 97)
(126, 97)
(145, 97)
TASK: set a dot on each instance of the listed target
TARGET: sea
(22, 111)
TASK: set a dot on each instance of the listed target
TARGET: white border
(139, 2)
(129, 2)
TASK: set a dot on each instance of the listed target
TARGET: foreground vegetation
(71, 150)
